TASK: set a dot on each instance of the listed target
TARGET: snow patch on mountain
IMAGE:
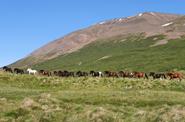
(167, 24)
(130, 17)
(101, 23)
(152, 13)
(141, 14)
(120, 19)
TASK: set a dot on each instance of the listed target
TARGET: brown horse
(121, 74)
(111, 74)
(140, 75)
(45, 73)
(175, 75)
(126, 74)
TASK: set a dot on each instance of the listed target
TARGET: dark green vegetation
(121, 53)
(41, 99)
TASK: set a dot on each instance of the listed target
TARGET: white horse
(100, 74)
(31, 72)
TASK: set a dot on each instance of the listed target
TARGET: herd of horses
(123, 74)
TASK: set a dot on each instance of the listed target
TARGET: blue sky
(26, 25)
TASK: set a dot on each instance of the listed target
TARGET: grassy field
(26, 98)
(121, 53)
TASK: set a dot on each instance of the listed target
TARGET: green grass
(42, 99)
(131, 53)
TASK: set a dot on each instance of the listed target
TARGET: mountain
(142, 26)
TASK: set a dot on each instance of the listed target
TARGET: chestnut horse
(45, 73)
(175, 75)
(140, 75)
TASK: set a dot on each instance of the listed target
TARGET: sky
(26, 25)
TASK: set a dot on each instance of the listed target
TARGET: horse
(111, 74)
(157, 75)
(60, 74)
(55, 73)
(18, 71)
(7, 69)
(41, 72)
(31, 72)
(107, 73)
(175, 75)
(81, 74)
(121, 74)
(45, 73)
(96, 74)
(140, 75)
(64, 73)
(125, 74)
(71, 74)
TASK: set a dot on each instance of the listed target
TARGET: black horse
(96, 74)
(157, 75)
(72, 74)
(18, 71)
(64, 73)
(60, 73)
(7, 69)
(81, 74)
(55, 73)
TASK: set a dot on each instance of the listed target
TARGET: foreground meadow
(26, 98)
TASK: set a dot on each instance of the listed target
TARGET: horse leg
(180, 79)
(165, 77)
(146, 76)
(171, 78)
(153, 77)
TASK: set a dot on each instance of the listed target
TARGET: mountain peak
(148, 13)
(145, 15)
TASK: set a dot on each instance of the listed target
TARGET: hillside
(149, 24)
(120, 53)
(51, 99)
